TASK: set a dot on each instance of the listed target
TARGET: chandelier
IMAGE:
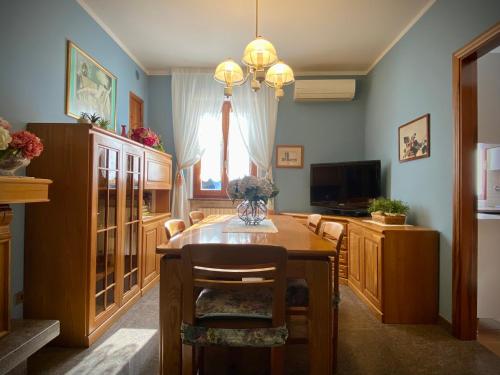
(262, 64)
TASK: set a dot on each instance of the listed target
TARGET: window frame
(198, 193)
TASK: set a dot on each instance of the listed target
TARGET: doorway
(465, 223)
(136, 112)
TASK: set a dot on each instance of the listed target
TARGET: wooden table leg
(319, 280)
(170, 316)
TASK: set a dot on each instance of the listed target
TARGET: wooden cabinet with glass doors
(85, 266)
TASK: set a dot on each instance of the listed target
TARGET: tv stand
(359, 212)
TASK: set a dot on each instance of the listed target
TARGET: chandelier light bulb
(259, 54)
(230, 74)
(279, 75)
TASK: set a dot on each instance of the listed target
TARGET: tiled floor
(366, 347)
(489, 334)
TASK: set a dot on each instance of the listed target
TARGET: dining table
(309, 258)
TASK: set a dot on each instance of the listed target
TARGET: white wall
(488, 94)
(488, 283)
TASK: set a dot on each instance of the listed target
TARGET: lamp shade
(259, 54)
(229, 73)
(279, 75)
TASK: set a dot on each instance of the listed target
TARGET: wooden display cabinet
(86, 266)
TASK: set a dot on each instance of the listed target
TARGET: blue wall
(33, 76)
(160, 110)
(329, 132)
(414, 78)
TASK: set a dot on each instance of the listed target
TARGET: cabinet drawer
(158, 171)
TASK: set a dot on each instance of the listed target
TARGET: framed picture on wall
(415, 139)
(90, 87)
(289, 156)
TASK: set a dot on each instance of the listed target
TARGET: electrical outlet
(19, 297)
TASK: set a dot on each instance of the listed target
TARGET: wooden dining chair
(298, 293)
(173, 227)
(242, 303)
(334, 233)
(196, 217)
(313, 222)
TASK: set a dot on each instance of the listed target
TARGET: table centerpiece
(255, 193)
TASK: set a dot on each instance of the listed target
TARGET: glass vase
(10, 164)
(252, 212)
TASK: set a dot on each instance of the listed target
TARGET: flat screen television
(345, 187)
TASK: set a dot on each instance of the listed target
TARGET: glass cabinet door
(107, 227)
(133, 206)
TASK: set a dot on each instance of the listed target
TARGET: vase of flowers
(147, 137)
(255, 193)
(16, 149)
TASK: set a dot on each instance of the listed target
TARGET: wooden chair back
(334, 233)
(313, 222)
(196, 217)
(173, 227)
(223, 266)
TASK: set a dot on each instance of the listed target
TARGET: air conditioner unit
(322, 90)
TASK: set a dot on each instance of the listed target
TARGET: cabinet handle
(497, 188)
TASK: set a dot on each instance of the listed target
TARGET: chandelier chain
(256, 18)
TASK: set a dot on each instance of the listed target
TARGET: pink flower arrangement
(27, 143)
(147, 137)
(19, 144)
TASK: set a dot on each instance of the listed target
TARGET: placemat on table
(237, 226)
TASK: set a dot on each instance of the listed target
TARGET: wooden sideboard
(92, 259)
(13, 190)
(393, 269)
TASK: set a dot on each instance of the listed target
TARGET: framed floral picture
(415, 139)
(289, 156)
(90, 87)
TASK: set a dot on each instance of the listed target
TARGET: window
(225, 158)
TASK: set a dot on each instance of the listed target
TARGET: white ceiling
(312, 36)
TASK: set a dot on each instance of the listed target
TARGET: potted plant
(388, 211)
(17, 149)
(104, 124)
(87, 118)
(84, 118)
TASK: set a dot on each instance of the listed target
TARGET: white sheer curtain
(256, 115)
(195, 94)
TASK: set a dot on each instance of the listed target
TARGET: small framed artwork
(415, 139)
(289, 156)
(90, 87)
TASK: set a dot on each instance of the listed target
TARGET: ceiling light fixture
(262, 63)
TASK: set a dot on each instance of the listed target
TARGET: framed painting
(90, 87)
(415, 139)
(289, 156)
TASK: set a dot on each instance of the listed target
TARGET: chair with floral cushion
(196, 217)
(173, 227)
(241, 303)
